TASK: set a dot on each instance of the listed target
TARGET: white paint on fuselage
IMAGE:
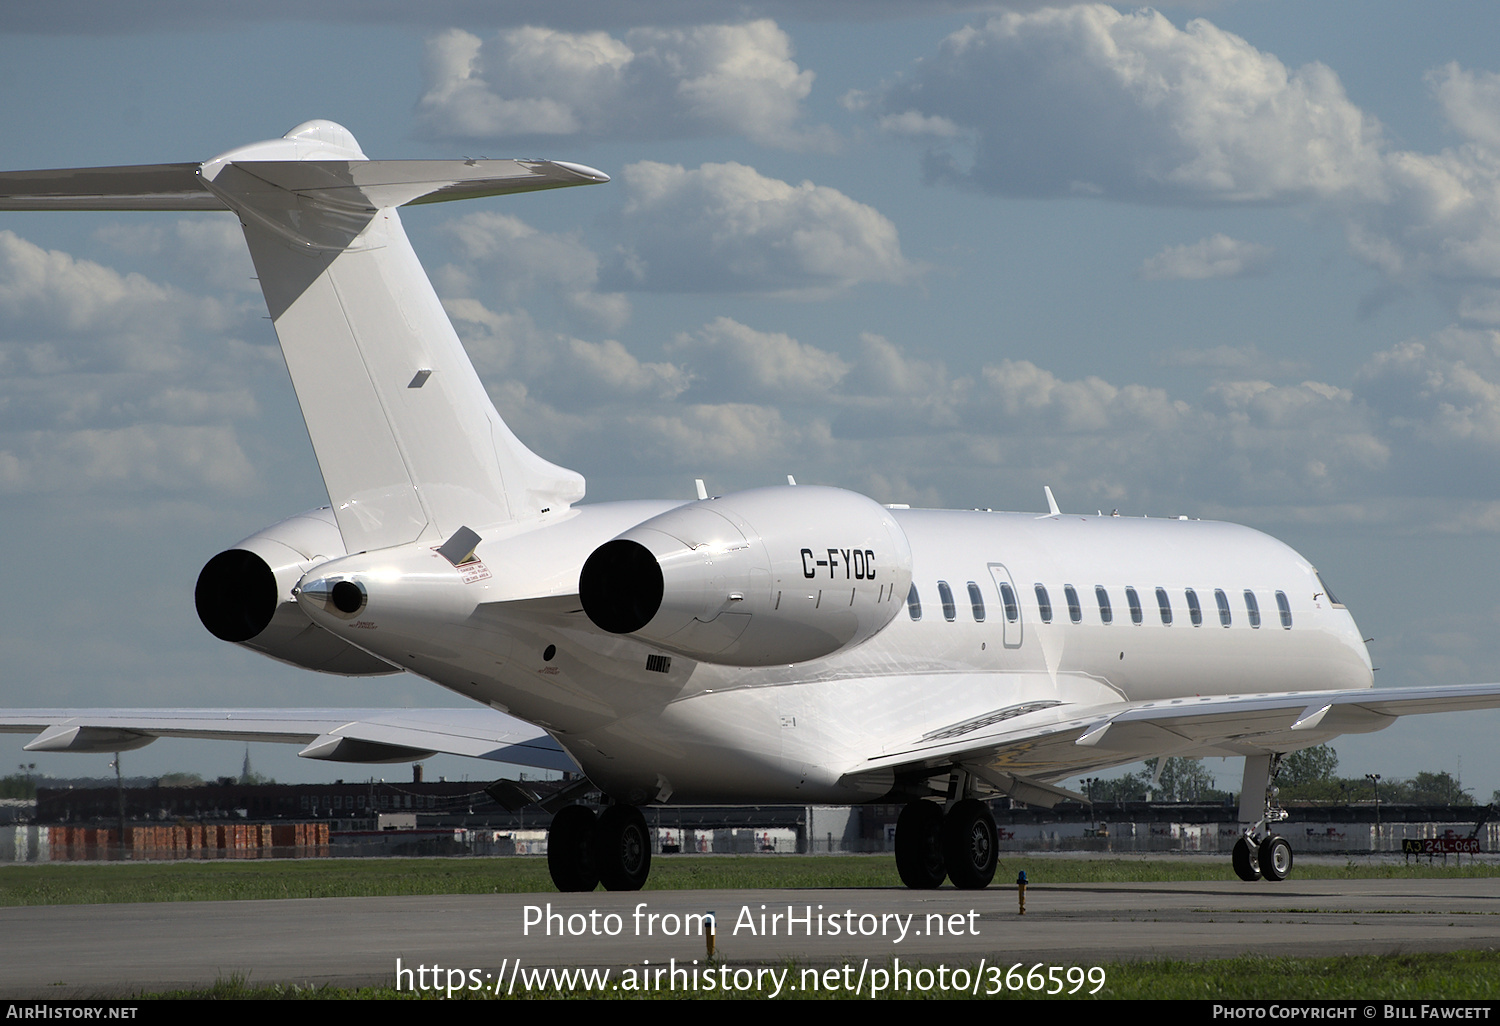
(717, 733)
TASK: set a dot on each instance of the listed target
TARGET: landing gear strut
(1259, 852)
(584, 850)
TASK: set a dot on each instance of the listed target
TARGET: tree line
(1309, 775)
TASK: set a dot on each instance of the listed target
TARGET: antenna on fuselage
(1052, 510)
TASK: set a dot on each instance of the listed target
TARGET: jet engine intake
(756, 578)
(244, 595)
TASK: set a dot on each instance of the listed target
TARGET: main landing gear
(613, 848)
(960, 844)
(1259, 852)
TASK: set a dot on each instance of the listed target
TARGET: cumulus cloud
(1083, 100)
(1254, 442)
(137, 458)
(208, 250)
(1443, 390)
(576, 373)
(117, 382)
(761, 401)
(730, 358)
(1436, 220)
(650, 83)
(726, 227)
(1086, 100)
(1217, 256)
(50, 294)
(882, 369)
(504, 254)
(716, 228)
(1441, 224)
(1470, 101)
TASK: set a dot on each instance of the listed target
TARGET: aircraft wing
(1021, 751)
(337, 735)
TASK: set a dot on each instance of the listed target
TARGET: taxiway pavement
(71, 951)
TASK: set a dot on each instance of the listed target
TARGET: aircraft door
(1010, 605)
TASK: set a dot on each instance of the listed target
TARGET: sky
(1235, 260)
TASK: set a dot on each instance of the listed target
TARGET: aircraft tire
(622, 848)
(970, 845)
(570, 849)
(919, 846)
(1245, 865)
(1275, 857)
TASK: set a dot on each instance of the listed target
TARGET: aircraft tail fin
(409, 444)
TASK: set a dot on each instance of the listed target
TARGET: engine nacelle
(756, 578)
(244, 595)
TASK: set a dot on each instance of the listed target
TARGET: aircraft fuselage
(506, 629)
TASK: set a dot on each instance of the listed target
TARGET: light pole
(1374, 779)
(1088, 790)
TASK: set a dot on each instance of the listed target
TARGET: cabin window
(976, 602)
(1165, 605)
(1105, 613)
(1075, 608)
(1134, 601)
(1286, 609)
(913, 603)
(1043, 603)
(1195, 611)
(1223, 601)
(945, 596)
(1008, 597)
(1252, 607)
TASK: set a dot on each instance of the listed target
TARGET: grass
(102, 883)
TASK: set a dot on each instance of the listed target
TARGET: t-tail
(410, 446)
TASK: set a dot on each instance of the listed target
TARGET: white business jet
(786, 644)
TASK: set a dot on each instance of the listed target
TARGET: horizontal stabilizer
(363, 184)
(143, 187)
(373, 184)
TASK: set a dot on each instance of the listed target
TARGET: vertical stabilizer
(409, 444)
